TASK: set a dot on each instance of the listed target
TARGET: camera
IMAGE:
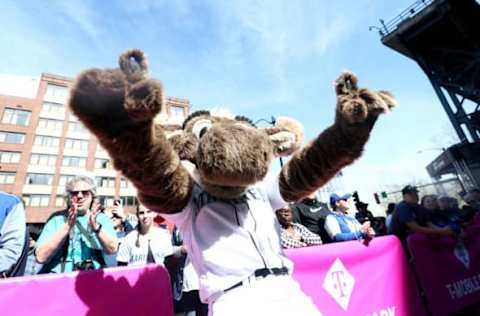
(85, 265)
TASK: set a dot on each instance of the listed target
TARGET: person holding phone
(78, 237)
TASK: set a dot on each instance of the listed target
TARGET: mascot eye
(201, 127)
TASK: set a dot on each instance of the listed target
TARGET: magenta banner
(350, 278)
(116, 291)
(449, 270)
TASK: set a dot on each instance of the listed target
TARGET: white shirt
(160, 244)
(190, 277)
(228, 240)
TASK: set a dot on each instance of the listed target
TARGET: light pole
(431, 149)
(271, 122)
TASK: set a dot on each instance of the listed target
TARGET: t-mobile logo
(461, 253)
(339, 283)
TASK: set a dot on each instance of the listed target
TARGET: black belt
(261, 273)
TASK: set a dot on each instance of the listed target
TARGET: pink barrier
(350, 278)
(449, 275)
(116, 291)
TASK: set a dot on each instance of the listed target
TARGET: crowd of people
(311, 222)
(87, 236)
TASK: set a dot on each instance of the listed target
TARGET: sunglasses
(84, 192)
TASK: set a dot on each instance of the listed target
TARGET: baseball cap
(334, 198)
(409, 189)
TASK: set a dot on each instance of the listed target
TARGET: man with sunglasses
(78, 237)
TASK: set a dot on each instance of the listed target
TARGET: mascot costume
(212, 179)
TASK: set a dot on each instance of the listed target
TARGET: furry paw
(356, 105)
(144, 100)
(286, 136)
(134, 65)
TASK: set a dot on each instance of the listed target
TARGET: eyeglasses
(84, 192)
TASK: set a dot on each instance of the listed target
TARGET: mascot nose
(233, 155)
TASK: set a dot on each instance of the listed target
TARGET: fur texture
(228, 154)
(356, 113)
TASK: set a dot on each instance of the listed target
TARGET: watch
(96, 231)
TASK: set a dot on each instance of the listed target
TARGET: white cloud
(82, 14)
(268, 41)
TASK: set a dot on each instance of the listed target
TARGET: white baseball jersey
(227, 240)
(160, 244)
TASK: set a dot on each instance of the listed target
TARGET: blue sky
(256, 58)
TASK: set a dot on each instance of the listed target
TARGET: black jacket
(312, 213)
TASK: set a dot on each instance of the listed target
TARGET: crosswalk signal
(377, 198)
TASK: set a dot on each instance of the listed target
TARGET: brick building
(42, 145)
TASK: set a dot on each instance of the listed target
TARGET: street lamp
(271, 122)
(429, 149)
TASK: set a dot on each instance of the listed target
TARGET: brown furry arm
(118, 106)
(316, 163)
(153, 167)
(339, 145)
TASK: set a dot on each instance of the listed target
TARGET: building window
(50, 124)
(36, 200)
(60, 201)
(77, 144)
(7, 177)
(76, 127)
(128, 201)
(100, 149)
(51, 107)
(46, 141)
(39, 179)
(105, 182)
(177, 112)
(77, 162)
(102, 163)
(124, 184)
(64, 178)
(15, 116)
(9, 157)
(43, 160)
(106, 200)
(56, 91)
(12, 138)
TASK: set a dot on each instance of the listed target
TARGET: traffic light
(356, 199)
(384, 194)
(377, 198)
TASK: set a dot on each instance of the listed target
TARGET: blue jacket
(337, 226)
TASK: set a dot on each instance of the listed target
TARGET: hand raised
(357, 105)
(72, 215)
(92, 215)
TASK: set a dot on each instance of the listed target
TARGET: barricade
(351, 278)
(116, 291)
(449, 271)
